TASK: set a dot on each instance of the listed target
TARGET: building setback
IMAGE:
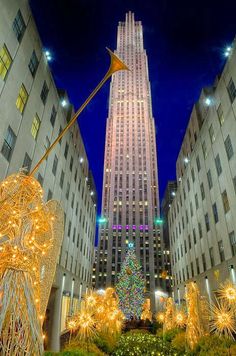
(32, 113)
(165, 206)
(130, 202)
(202, 216)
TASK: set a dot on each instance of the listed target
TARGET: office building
(202, 222)
(33, 113)
(130, 203)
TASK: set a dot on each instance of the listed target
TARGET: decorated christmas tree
(130, 287)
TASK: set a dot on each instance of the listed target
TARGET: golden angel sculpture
(31, 233)
(30, 238)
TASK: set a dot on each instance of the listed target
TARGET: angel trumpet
(115, 65)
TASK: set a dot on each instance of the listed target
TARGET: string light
(33, 243)
(146, 313)
(131, 286)
(180, 319)
(227, 291)
(195, 323)
(223, 320)
(169, 322)
(160, 317)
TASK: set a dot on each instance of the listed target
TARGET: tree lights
(130, 286)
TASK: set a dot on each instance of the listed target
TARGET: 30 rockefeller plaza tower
(130, 203)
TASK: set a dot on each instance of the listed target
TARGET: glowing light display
(130, 286)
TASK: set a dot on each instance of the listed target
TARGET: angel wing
(48, 262)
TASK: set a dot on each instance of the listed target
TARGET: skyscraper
(130, 202)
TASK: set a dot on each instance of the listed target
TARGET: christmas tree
(130, 286)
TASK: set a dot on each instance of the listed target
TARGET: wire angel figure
(31, 234)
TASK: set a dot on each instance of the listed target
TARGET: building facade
(169, 195)
(202, 215)
(32, 114)
(130, 202)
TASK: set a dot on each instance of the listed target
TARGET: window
(44, 92)
(234, 183)
(221, 251)
(27, 162)
(5, 62)
(71, 163)
(196, 201)
(220, 115)
(231, 90)
(194, 237)
(66, 150)
(204, 150)
(229, 147)
(19, 26)
(204, 262)
(22, 99)
(69, 229)
(225, 201)
(8, 144)
(215, 212)
(200, 230)
(193, 174)
(54, 166)
(209, 178)
(212, 134)
(67, 190)
(49, 197)
(207, 222)
(35, 126)
(192, 270)
(62, 179)
(232, 240)
(33, 63)
(53, 116)
(198, 163)
(218, 165)
(60, 130)
(197, 265)
(188, 184)
(40, 179)
(189, 242)
(211, 253)
(202, 191)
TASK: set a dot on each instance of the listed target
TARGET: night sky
(185, 42)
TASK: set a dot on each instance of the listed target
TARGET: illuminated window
(65, 309)
(225, 201)
(22, 99)
(220, 115)
(5, 62)
(35, 126)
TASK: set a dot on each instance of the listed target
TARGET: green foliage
(159, 333)
(80, 348)
(140, 344)
(169, 335)
(106, 342)
(212, 345)
(178, 343)
(137, 331)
